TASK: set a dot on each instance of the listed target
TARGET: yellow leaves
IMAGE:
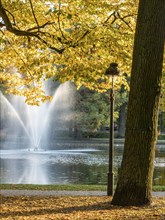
(76, 208)
(91, 36)
(24, 85)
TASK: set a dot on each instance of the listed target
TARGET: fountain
(31, 153)
(29, 131)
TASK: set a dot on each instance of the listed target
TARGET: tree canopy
(67, 40)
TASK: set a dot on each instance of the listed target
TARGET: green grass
(161, 137)
(53, 187)
(64, 187)
(159, 188)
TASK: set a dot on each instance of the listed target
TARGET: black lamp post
(111, 72)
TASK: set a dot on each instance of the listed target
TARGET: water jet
(30, 129)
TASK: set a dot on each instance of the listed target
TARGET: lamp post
(111, 72)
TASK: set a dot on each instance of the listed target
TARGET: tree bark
(135, 179)
(122, 119)
(77, 132)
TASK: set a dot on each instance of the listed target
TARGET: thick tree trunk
(135, 179)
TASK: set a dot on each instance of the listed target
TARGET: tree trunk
(70, 128)
(77, 132)
(161, 122)
(122, 117)
(135, 179)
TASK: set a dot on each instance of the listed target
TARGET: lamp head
(112, 70)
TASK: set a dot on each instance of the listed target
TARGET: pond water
(76, 165)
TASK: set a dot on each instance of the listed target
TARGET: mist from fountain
(33, 122)
(28, 130)
(2, 97)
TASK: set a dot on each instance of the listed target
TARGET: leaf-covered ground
(76, 208)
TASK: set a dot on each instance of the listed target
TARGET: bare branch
(41, 26)
(2, 32)
(87, 32)
(115, 18)
(60, 51)
(2, 25)
(14, 23)
(112, 14)
(31, 5)
(108, 18)
(5, 17)
(129, 15)
(59, 23)
(122, 18)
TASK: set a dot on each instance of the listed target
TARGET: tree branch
(27, 33)
(60, 51)
(59, 25)
(41, 26)
(31, 5)
(35, 31)
(108, 18)
(123, 19)
(14, 23)
(106, 21)
(87, 32)
(9, 26)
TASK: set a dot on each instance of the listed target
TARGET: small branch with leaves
(32, 32)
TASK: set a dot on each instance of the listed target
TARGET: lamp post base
(110, 184)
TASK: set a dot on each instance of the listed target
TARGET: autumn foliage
(76, 208)
(69, 40)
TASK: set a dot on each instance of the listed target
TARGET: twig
(59, 25)
(122, 18)
(14, 23)
(41, 26)
(31, 5)
(87, 32)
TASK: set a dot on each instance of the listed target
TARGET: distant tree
(135, 179)
(91, 111)
(122, 102)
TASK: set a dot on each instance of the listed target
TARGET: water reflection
(85, 166)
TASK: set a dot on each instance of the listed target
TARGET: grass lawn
(76, 208)
(75, 187)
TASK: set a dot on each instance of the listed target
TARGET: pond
(70, 163)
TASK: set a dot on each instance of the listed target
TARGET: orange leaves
(76, 208)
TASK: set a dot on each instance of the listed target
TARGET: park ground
(76, 208)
